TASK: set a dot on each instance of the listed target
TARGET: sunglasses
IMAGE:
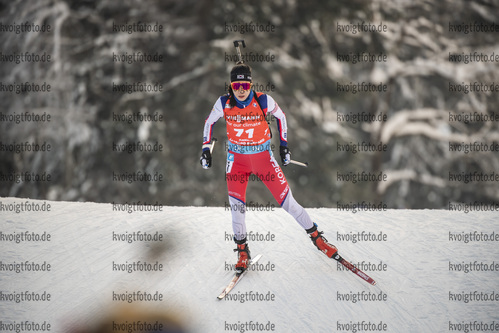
(238, 85)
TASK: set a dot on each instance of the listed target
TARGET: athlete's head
(240, 72)
(240, 82)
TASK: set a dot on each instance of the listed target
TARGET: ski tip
(222, 295)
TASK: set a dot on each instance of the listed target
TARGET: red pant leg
(237, 172)
(270, 173)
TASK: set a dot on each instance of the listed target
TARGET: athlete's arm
(216, 113)
(282, 125)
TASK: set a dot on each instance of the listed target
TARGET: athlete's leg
(237, 175)
(272, 176)
(238, 211)
(297, 211)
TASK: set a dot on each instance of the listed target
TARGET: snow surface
(305, 283)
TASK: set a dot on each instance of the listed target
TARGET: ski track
(305, 283)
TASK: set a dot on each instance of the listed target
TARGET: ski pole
(299, 163)
(213, 140)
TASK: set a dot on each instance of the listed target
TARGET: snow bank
(436, 271)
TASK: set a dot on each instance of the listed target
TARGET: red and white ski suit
(249, 153)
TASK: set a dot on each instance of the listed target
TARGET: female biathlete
(249, 153)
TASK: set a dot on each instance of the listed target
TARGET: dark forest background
(306, 72)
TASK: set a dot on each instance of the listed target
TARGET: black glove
(205, 159)
(285, 155)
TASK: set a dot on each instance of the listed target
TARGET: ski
(237, 277)
(354, 269)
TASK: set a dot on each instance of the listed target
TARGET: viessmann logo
(240, 118)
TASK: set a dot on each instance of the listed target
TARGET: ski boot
(243, 253)
(321, 243)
